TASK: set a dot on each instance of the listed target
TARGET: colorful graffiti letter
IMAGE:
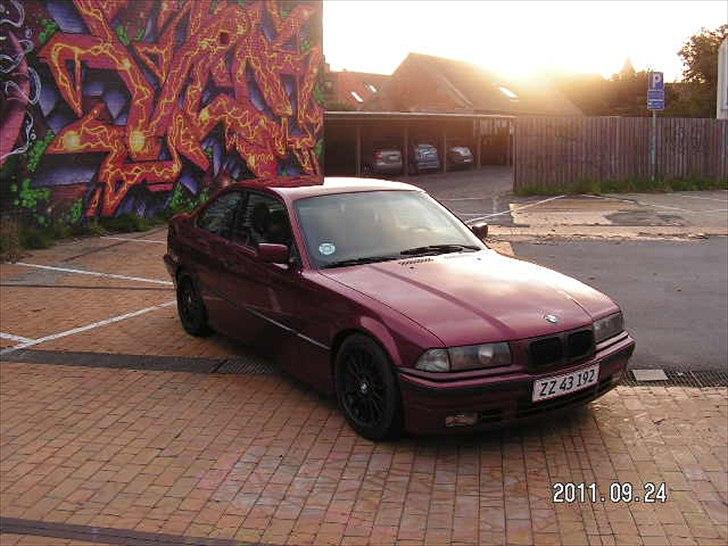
(137, 106)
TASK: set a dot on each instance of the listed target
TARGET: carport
(351, 137)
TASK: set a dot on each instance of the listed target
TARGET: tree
(626, 92)
(700, 72)
(627, 73)
(700, 55)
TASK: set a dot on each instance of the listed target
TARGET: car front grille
(546, 351)
(579, 344)
(561, 349)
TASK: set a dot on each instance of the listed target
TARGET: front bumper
(504, 399)
(429, 165)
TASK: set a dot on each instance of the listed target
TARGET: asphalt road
(674, 294)
(473, 193)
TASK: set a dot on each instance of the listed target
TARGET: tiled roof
(471, 89)
(353, 89)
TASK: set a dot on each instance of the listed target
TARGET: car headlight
(470, 357)
(608, 327)
(434, 360)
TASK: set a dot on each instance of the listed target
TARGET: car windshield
(363, 227)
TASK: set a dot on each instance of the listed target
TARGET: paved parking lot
(116, 427)
(486, 194)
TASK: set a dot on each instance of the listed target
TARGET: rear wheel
(366, 388)
(190, 307)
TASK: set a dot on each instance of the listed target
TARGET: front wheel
(366, 388)
(190, 307)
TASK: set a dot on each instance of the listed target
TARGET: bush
(18, 233)
(124, 223)
(36, 238)
(11, 248)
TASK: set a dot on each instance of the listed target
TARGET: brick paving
(262, 458)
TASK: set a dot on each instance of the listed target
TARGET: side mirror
(273, 253)
(480, 230)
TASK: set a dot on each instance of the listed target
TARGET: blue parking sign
(656, 82)
(656, 91)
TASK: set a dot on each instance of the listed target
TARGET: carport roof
(406, 116)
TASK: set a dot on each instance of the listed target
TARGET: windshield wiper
(438, 249)
(361, 260)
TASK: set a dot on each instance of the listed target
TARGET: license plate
(558, 385)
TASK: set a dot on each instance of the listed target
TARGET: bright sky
(517, 39)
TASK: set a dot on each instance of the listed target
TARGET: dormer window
(507, 92)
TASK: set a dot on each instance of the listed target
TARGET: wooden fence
(561, 151)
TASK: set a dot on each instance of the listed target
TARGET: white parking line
(130, 240)
(464, 199)
(701, 197)
(111, 320)
(639, 202)
(514, 209)
(12, 337)
(94, 273)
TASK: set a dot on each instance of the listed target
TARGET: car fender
(381, 334)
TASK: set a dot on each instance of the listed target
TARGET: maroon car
(374, 291)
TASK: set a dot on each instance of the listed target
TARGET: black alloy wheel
(190, 307)
(366, 388)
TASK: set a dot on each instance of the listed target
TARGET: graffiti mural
(139, 106)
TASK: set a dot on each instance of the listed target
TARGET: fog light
(461, 420)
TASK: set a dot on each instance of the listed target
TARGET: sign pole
(655, 102)
(653, 146)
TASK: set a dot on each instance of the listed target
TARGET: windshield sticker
(327, 249)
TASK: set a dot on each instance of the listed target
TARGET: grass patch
(16, 236)
(128, 223)
(598, 187)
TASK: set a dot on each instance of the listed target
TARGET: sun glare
(516, 39)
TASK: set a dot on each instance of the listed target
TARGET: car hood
(477, 297)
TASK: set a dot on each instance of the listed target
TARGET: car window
(376, 223)
(218, 216)
(262, 219)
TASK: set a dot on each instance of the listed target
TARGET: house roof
(353, 89)
(472, 89)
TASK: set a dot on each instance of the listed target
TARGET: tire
(366, 388)
(190, 307)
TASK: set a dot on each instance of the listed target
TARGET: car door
(208, 250)
(265, 294)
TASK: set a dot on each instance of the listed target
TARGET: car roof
(309, 186)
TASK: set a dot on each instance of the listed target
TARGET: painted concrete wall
(141, 106)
